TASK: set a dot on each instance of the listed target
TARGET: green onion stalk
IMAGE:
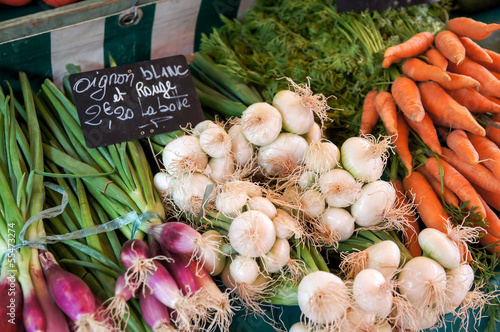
(21, 192)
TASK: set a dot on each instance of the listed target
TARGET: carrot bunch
(446, 81)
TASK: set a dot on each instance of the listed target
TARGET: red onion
(11, 304)
(177, 237)
(181, 272)
(33, 315)
(71, 294)
(116, 308)
(155, 313)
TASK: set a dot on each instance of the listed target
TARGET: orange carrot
(407, 96)
(494, 73)
(459, 82)
(492, 199)
(491, 243)
(443, 132)
(400, 143)
(388, 61)
(476, 174)
(448, 195)
(495, 64)
(454, 180)
(369, 116)
(426, 130)
(434, 57)
(493, 221)
(493, 99)
(458, 141)
(416, 45)
(446, 111)
(490, 85)
(429, 206)
(474, 51)
(387, 110)
(493, 133)
(450, 46)
(468, 27)
(488, 151)
(474, 101)
(418, 70)
(412, 229)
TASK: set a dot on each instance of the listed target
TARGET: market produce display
(347, 166)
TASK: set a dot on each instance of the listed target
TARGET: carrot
(388, 61)
(493, 221)
(476, 174)
(369, 116)
(494, 73)
(495, 64)
(443, 132)
(474, 51)
(493, 133)
(459, 143)
(490, 85)
(426, 130)
(450, 46)
(459, 82)
(407, 96)
(387, 110)
(474, 101)
(412, 229)
(434, 57)
(488, 152)
(454, 180)
(468, 27)
(429, 206)
(449, 196)
(418, 70)
(416, 45)
(491, 243)
(446, 111)
(492, 199)
(400, 143)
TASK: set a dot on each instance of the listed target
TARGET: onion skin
(164, 286)
(33, 315)
(134, 250)
(180, 270)
(177, 237)
(154, 312)
(70, 293)
(11, 305)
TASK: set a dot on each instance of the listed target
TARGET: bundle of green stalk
(341, 52)
(126, 273)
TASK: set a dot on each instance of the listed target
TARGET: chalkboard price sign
(128, 102)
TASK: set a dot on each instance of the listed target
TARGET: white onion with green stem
(459, 281)
(202, 126)
(438, 246)
(262, 204)
(283, 155)
(322, 156)
(215, 141)
(365, 157)
(339, 188)
(261, 123)
(307, 179)
(315, 134)
(373, 293)
(312, 203)
(163, 184)
(252, 233)
(188, 194)
(241, 148)
(358, 320)
(242, 275)
(277, 257)
(323, 298)
(299, 107)
(184, 155)
(213, 261)
(333, 226)
(422, 281)
(377, 207)
(233, 195)
(383, 256)
(222, 169)
(287, 225)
